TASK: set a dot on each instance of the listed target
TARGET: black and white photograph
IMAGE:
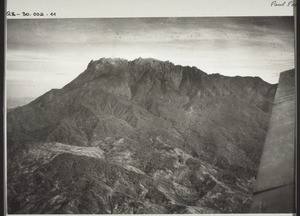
(150, 115)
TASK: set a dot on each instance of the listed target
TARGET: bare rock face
(141, 136)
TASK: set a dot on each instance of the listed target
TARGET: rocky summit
(141, 136)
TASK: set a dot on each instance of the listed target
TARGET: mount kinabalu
(141, 136)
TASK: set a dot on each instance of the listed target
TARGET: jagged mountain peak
(107, 61)
(123, 60)
(148, 60)
(144, 79)
(134, 71)
(111, 60)
(136, 62)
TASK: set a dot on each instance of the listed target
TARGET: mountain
(15, 102)
(141, 136)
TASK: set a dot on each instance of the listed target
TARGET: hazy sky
(45, 54)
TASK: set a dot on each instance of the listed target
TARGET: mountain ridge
(167, 122)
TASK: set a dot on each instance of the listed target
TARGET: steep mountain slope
(191, 141)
